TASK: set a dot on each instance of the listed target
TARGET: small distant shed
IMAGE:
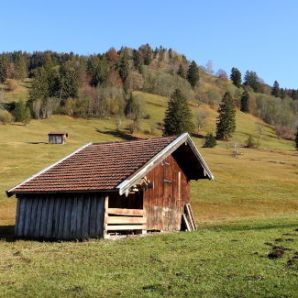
(107, 188)
(57, 137)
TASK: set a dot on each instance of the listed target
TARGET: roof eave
(169, 149)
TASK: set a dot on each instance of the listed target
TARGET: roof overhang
(185, 138)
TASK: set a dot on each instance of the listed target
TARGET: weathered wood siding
(165, 201)
(65, 216)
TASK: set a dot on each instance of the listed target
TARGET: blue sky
(256, 35)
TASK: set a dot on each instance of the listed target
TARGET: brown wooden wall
(164, 202)
(65, 216)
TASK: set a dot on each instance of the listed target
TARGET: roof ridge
(136, 140)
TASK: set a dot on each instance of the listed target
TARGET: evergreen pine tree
(236, 77)
(210, 141)
(193, 74)
(181, 71)
(178, 115)
(3, 68)
(275, 89)
(252, 80)
(244, 102)
(226, 123)
(69, 81)
(123, 68)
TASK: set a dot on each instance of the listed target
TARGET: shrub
(22, 112)
(5, 117)
(251, 142)
(210, 141)
(11, 85)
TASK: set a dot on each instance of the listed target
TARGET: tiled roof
(96, 167)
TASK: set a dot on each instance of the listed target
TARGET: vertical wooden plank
(17, 224)
(79, 218)
(33, 216)
(36, 232)
(49, 229)
(27, 216)
(93, 210)
(73, 220)
(86, 214)
(105, 225)
(99, 216)
(67, 218)
(44, 217)
(57, 204)
(61, 218)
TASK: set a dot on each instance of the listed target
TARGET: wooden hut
(57, 137)
(107, 188)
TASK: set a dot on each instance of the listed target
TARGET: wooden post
(105, 221)
(144, 231)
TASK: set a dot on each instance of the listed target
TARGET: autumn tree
(193, 74)
(226, 122)
(146, 53)
(178, 115)
(236, 77)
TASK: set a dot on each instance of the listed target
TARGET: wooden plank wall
(63, 217)
(164, 203)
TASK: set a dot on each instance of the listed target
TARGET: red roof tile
(97, 167)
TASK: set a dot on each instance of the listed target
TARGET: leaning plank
(119, 211)
(189, 217)
(126, 227)
(192, 216)
(126, 220)
(188, 227)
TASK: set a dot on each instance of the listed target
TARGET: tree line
(101, 85)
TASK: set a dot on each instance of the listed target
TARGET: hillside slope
(258, 183)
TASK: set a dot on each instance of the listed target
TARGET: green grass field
(253, 201)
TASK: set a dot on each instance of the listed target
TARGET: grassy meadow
(250, 209)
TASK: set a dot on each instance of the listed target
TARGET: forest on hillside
(101, 85)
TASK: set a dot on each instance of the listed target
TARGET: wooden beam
(186, 222)
(126, 227)
(120, 211)
(126, 220)
(105, 222)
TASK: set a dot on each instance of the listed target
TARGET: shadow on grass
(119, 134)
(254, 226)
(7, 233)
(36, 143)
